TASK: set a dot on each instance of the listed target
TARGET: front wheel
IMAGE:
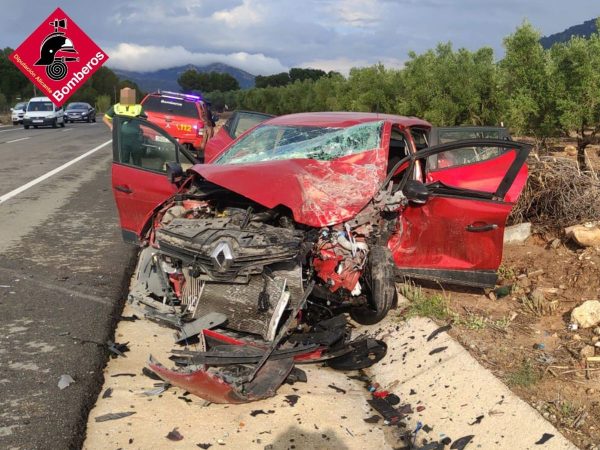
(55, 124)
(62, 124)
(380, 287)
(26, 127)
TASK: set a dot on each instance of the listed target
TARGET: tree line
(533, 91)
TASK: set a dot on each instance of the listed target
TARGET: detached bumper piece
(232, 369)
(228, 385)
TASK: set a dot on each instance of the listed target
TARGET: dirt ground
(530, 347)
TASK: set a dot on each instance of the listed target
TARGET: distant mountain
(584, 29)
(166, 79)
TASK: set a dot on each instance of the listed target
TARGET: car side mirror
(416, 192)
(174, 172)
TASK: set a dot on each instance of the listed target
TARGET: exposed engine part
(217, 249)
(339, 259)
(279, 288)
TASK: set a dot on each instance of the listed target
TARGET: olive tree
(525, 80)
(575, 76)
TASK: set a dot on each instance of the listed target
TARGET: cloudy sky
(268, 36)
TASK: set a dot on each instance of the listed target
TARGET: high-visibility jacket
(127, 110)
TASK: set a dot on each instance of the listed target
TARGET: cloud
(127, 56)
(248, 13)
(344, 64)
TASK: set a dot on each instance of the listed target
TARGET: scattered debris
(257, 412)
(292, 399)
(438, 331)
(337, 389)
(114, 416)
(438, 350)
(462, 442)
(157, 390)
(587, 314)
(117, 349)
(545, 438)
(123, 375)
(65, 381)
(477, 420)
(373, 419)
(107, 393)
(174, 435)
(204, 446)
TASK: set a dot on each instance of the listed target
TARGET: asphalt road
(63, 274)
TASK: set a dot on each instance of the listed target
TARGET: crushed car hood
(319, 193)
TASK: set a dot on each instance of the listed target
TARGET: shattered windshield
(271, 142)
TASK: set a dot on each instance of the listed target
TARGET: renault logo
(222, 256)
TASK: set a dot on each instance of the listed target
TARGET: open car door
(141, 151)
(457, 234)
(234, 127)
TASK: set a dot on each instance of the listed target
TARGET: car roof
(342, 119)
(39, 99)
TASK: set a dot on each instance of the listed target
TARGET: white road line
(53, 172)
(67, 129)
(16, 140)
(14, 129)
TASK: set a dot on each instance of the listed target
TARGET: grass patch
(506, 272)
(525, 376)
(435, 306)
(471, 321)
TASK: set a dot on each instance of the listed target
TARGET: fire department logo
(58, 57)
(54, 49)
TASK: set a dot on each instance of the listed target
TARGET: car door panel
(138, 188)
(457, 235)
(137, 192)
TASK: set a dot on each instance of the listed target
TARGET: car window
(277, 142)
(78, 106)
(247, 121)
(144, 147)
(419, 135)
(20, 105)
(446, 136)
(40, 106)
(463, 156)
(171, 105)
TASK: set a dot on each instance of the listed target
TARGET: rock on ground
(587, 314)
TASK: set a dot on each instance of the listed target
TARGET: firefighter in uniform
(131, 134)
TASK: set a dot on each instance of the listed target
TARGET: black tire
(35, 126)
(62, 124)
(26, 127)
(55, 123)
(88, 120)
(15, 123)
(380, 287)
(94, 119)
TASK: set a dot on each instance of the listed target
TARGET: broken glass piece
(114, 416)
(65, 381)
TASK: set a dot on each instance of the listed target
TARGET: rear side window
(167, 105)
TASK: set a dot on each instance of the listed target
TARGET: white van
(42, 112)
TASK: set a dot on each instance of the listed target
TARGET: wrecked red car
(303, 218)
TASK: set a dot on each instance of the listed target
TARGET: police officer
(131, 134)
